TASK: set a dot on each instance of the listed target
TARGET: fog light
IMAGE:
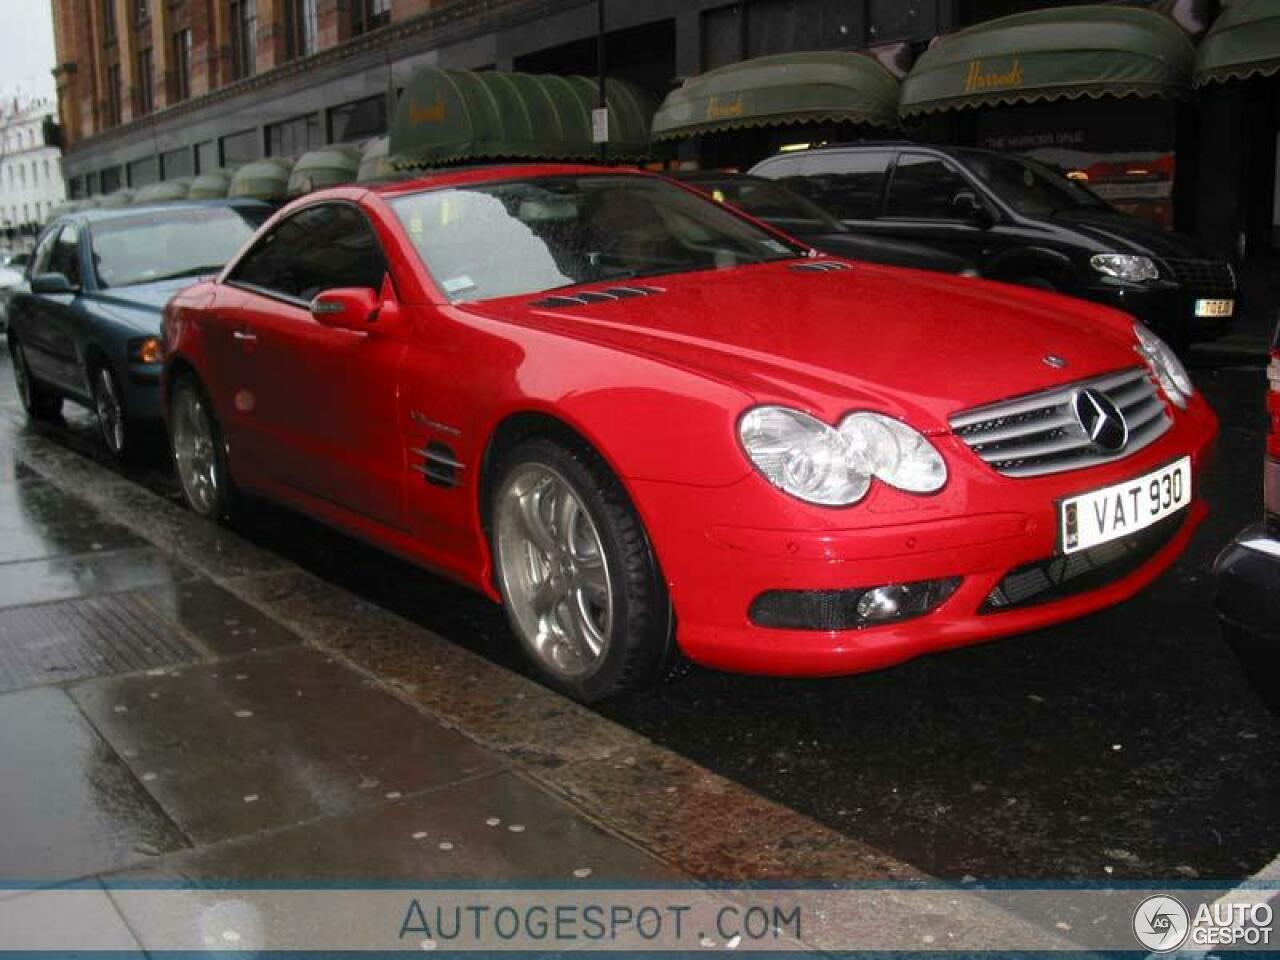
(850, 609)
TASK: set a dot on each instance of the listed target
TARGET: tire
(199, 453)
(117, 432)
(579, 579)
(39, 402)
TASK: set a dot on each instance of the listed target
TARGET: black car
(1021, 222)
(803, 219)
(84, 324)
(1248, 571)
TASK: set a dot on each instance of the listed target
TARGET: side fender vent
(595, 296)
(438, 464)
(820, 266)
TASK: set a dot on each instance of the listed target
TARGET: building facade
(31, 181)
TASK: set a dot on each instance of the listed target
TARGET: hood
(141, 304)
(916, 345)
(896, 253)
(1124, 234)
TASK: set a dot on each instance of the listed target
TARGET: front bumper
(980, 528)
(141, 385)
(1167, 308)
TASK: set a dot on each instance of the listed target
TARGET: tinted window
(317, 249)
(40, 261)
(65, 258)
(925, 188)
(846, 184)
(1029, 187)
(504, 239)
(772, 203)
(171, 243)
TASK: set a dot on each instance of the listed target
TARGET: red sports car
(646, 422)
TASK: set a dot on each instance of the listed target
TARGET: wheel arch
(1053, 265)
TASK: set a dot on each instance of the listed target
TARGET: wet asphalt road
(1125, 745)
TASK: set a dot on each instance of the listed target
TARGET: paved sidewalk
(177, 705)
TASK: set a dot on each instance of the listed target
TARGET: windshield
(528, 236)
(166, 244)
(1029, 187)
(772, 203)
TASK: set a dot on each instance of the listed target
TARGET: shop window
(244, 38)
(358, 120)
(238, 148)
(207, 159)
(143, 172)
(176, 163)
(300, 28)
(292, 137)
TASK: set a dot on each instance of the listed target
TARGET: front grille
(1211, 278)
(1038, 434)
(1059, 577)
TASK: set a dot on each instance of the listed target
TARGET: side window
(320, 248)
(925, 188)
(845, 184)
(65, 258)
(44, 250)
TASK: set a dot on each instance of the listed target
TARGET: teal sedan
(84, 325)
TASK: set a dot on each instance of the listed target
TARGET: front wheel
(576, 571)
(108, 405)
(199, 457)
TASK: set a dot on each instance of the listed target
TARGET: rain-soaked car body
(641, 420)
(85, 321)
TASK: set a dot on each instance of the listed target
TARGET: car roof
(945, 148)
(496, 172)
(99, 215)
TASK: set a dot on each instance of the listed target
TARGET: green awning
(818, 87)
(1052, 54)
(166, 191)
(375, 162)
(262, 180)
(451, 116)
(1243, 42)
(211, 186)
(326, 167)
(118, 198)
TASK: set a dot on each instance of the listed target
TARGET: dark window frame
(301, 28)
(369, 15)
(146, 81)
(947, 164)
(244, 38)
(182, 64)
(109, 30)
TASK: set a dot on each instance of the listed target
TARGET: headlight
(820, 464)
(1164, 363)
(1124, 266)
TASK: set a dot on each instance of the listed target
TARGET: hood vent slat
(595, 296)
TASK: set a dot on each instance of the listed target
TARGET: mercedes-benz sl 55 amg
(647, 424)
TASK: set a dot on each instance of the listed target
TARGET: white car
(9, 278)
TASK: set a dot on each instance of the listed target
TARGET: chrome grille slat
(1037, 434)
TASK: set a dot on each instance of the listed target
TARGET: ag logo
(1161, 923)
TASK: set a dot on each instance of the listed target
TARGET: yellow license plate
(1215, 308)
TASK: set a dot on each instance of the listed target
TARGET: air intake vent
(595, 296)
(438, 464)
(820, 266)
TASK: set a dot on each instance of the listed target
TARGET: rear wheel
(199, 457)
(38, 401)
(579, 579)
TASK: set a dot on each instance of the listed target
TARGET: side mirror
(54, 283)
(968, 207)
(346, 308)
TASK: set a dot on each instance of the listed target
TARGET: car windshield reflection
(529, 236)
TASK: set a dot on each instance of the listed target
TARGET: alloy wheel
(554, 572)
(109, 409)
(194, 452)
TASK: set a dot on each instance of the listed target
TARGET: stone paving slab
(62, 578)
(69, 806)
(443, 835)
(271, 739)
(221, 622)
(35, 524)
(40, 920)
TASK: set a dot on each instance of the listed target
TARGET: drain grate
(89, 637)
